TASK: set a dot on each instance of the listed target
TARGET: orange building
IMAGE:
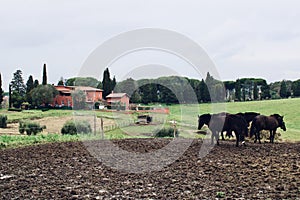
(64, 97)
(121, 99)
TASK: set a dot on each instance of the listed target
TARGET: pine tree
(18, 89)
(1, 91)
(44, 75)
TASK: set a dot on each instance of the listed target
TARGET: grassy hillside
(187, 114)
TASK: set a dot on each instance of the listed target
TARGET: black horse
(271, 123)
(205, 119)
(249, 116)
(229, 123)
(218, 123)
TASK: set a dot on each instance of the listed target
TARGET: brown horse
(271, 123)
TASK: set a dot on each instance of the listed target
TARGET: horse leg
(217, 138)
(222, 134)
(237, 139)
(272, 136)
(258, 136)
(212, 137)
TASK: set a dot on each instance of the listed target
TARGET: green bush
(15, 109)
(3, 121)
(167, 132)
(31, 128)
(72, 128)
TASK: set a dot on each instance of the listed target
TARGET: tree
(107, 83)
(29, 87)
(255, 91)
(113, 83)
(36, 83)
(1, 91)
(205, 95)
(296, 88)
(265, 90)
(283, 89)
(238, 90)
(18, 89)
(61, 81)
(44, 75)
(43, 95)
(82, 81)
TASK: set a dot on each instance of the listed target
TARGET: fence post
(101, 128)
(95, 125)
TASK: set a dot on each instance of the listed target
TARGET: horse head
(281, 123)
(203, 119)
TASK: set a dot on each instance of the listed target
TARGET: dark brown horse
(229, 123)
(205, 119)
(271, 123)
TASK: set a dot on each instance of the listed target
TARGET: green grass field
(185, 115)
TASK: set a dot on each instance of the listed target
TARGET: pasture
(185, 115)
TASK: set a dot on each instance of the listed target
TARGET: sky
(251, 38)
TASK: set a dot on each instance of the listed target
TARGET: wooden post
(174, 128)
(95, 126)
(101, 128)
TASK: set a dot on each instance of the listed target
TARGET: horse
(249, 116)
(205, 119)
(271, 123)
(229, 123)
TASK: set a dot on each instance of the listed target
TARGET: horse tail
(252, 129)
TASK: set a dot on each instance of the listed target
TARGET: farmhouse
(118, 99)
(64, 97)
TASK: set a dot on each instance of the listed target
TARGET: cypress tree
(36, 83)
(106, 83)
(29, 87)
(44, 75)
(1, 91)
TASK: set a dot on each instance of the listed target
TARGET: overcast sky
(254, 38)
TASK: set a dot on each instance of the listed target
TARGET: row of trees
(32, 93)
(179, 89)
(171, 89)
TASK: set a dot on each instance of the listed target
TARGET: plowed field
(68, 171)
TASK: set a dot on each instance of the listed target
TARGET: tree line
(169, 90)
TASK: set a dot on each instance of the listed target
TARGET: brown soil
(68, 171)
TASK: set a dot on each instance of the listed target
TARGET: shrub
(167, 132)
(31, 128)
(3, 121)
(72, 128)
(15, 109)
